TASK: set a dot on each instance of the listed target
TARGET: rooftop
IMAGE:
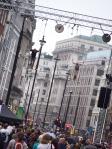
(94, 38)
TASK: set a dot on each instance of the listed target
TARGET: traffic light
(57, 122)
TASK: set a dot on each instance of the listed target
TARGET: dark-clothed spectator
(62, 143)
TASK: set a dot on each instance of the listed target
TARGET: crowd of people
(19, 137)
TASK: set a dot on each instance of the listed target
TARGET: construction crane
(65, 17)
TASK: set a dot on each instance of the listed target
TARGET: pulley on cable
(59, 28)
(106, 37)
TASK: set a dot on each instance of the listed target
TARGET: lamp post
(36, 106)
(42, 42)
(76, 111)
(66, 114)
(63, 94)
(50, 91)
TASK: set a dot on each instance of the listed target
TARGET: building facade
(10, 41)
(81, 50)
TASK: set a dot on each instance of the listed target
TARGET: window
(92, 102)
(89, 81)
(97, 82)
(100, 49)
(42, 99)
(47, 75)
(90, 112)
(44, 91)
(95, 92)
(45, 84)
(80, 57)
(87, 123)
(100, 72)
(82, 46)
(21, 81)
(95, 119)
(103, 62)
(91, 48)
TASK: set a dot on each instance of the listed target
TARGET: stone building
(10, 41)
(81, 49)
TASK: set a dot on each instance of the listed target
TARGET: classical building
(84, 51)
(76, 48)
(42, 88)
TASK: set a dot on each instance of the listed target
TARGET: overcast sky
(98, 8)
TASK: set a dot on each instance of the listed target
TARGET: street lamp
(66, 114)
(63, 94)
(50, 90)
(42, 42)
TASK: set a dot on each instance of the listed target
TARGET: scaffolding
(66, 17)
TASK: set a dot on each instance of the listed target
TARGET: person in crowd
(4, 136)
(90, 145)
(77, 146)
(36, 143)
(45, 142)
(11, 144)
(62, 143)
(20, 143)
(32, 140)
(27, 135)
(55, 143)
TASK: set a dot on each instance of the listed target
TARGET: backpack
(2, 136)
(18, 145)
